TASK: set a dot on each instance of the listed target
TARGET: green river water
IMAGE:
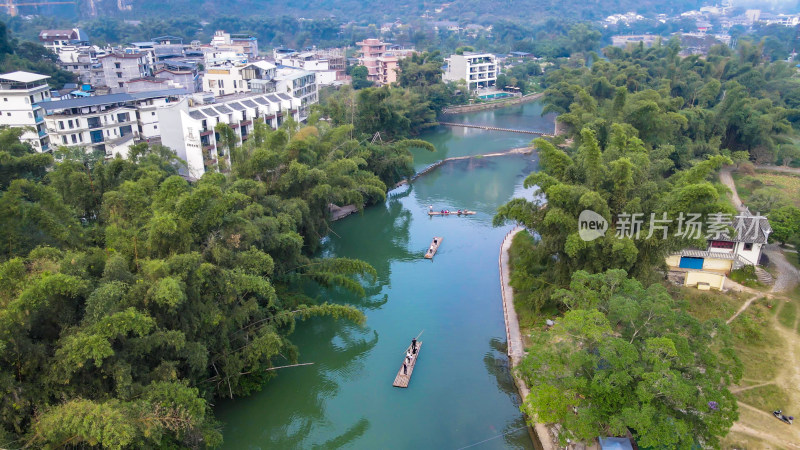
(461, 392)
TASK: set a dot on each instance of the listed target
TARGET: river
(461, 392)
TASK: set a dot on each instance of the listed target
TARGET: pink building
(381, 63)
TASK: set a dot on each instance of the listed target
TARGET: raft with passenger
(437, 241)
(403, 376)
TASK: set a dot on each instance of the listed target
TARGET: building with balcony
(189, 128)
(479, 70)
(230, 79)
(381, 60)
(328, 64)
(21, 93)
(120, 68)
(300, 84)
(107, 123)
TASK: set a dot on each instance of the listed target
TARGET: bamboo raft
(401, 380)
(451, 213)
(437, 241)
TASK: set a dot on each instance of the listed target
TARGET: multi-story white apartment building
(20, 96)
(298, 83)
(236, 78)
(119, 68)
(190, 130)
(107, 123)
(479, 70)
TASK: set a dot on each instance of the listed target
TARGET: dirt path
(754, 422)
(766, 438)
(747, 388)
(726, 179)
(783, 169)
(743, 307)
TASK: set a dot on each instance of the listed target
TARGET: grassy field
(787, 315)
(766, 343)
(785, 182)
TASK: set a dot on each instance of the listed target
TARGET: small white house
(726, 253)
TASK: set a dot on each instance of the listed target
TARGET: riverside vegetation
(648, 129)
(130, 298)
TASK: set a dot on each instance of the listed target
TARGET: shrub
(743, 275)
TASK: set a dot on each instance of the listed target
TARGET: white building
(107, 123)
(479, 70)
(189, 130)
(751, 234)
(300, 84)
(236, 79)
(329, 65)
(20, 94)
(725, 253)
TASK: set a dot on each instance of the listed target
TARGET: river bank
(462, 392)
(516, 346)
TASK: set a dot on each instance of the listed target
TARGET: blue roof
(97, 100)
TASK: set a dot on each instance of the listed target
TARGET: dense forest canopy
(649, 129)
(380, 11)
(130, 298)
(645, 132)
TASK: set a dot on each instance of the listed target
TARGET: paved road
(787, 275)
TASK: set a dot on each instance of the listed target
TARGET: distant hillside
(479, 11)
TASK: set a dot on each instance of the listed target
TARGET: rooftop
(23, 77)
(749, 228)
(98, 100)
(57, 34)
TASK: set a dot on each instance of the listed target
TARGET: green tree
(359, 75)
(785, 223)
(624, 358)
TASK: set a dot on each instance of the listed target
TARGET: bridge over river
(485, 127)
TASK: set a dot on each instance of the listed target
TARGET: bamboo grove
(131, 298)
(646, 131)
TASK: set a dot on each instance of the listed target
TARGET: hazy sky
(779, 5)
